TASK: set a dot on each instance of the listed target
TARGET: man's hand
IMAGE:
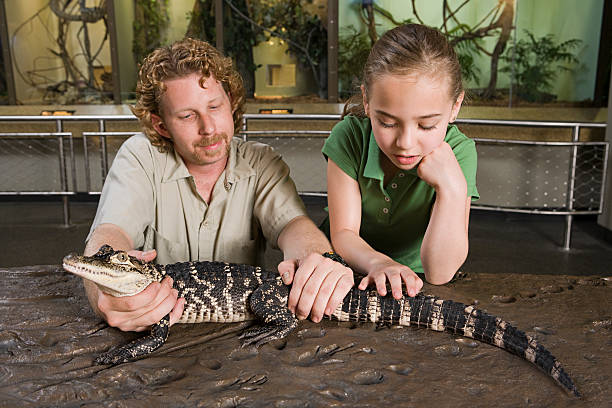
(319, 285)
(395, 273)
(139, 312)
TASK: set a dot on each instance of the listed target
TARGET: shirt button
(394, 185)
(386, 210)
(387, 199)
(401, 174)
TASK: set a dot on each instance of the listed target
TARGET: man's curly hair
(177, 60)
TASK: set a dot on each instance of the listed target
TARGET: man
(189, 191)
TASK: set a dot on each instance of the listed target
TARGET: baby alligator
(225, 292)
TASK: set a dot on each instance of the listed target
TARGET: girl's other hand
(441, 170)
(395, 273)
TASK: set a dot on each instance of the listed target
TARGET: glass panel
(541, 52)
(4, 99)
(60, 51)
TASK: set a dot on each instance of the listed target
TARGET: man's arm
(130, 313)
(319, 283)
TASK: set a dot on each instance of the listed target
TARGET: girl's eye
(386, 125)
(214, 107)
(426, 128)
(189, 115)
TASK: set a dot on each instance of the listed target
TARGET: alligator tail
(454, 317)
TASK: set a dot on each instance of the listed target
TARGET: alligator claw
(262, 335)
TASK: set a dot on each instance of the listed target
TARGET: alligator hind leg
(139, 347)
(269, 304)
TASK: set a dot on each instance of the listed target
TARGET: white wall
(128, 67)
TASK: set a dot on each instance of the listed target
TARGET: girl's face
(409, 115)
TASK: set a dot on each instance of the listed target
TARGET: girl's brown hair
(408, 49)
(180, 59)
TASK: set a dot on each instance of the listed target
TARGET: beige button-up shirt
(153, 198)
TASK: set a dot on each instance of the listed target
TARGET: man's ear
(366, 105)
(158, 125)
(231, 101)
(457, 107)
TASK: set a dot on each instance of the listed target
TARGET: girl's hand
(396, 273)
(441, 170)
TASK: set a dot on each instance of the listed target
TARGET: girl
(400, 178)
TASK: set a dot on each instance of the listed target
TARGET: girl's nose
(405, 139)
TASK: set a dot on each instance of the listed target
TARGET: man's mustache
(212, 140)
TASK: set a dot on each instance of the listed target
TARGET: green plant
(353, 50)
(304, 32)
(466, 51)
(537, 63)
(239, 35)
(150, 23)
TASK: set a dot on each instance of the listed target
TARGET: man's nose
(207, 125)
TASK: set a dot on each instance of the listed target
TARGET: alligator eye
(122, 257)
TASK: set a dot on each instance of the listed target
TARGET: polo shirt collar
(372, 167)
(235, 169)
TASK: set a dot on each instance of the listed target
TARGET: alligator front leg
(269, 304)
(139, 347)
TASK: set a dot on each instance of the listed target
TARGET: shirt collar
(235, 169)
(175, 167)
(237, 166)
(372, 167)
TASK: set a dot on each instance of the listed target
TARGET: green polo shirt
(154, 199)
(393, 218)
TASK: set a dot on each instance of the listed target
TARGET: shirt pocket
(168, 251)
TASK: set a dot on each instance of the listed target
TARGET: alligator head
(115, 272)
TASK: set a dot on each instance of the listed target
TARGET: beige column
(605, 219)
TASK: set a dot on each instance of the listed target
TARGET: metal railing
(296, 144)
(27, 159)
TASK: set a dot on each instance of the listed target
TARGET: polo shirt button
(394, 185)
(387, 199)
(401, 174)
(385, 210)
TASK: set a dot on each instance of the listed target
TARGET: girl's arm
(445, 244)
(344, 201)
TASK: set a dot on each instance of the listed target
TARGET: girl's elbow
(439, 280)
(443, 275)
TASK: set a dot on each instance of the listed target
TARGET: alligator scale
(224, 292)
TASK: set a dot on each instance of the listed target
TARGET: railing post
(63, 180)
(244, 127)
(86, 163)
(570, 188)
(103, 154)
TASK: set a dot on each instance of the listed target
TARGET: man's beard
(203, 154)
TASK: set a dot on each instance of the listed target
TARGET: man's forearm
(109, 234)
(301, 237)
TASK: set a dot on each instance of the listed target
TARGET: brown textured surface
(49, 338)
